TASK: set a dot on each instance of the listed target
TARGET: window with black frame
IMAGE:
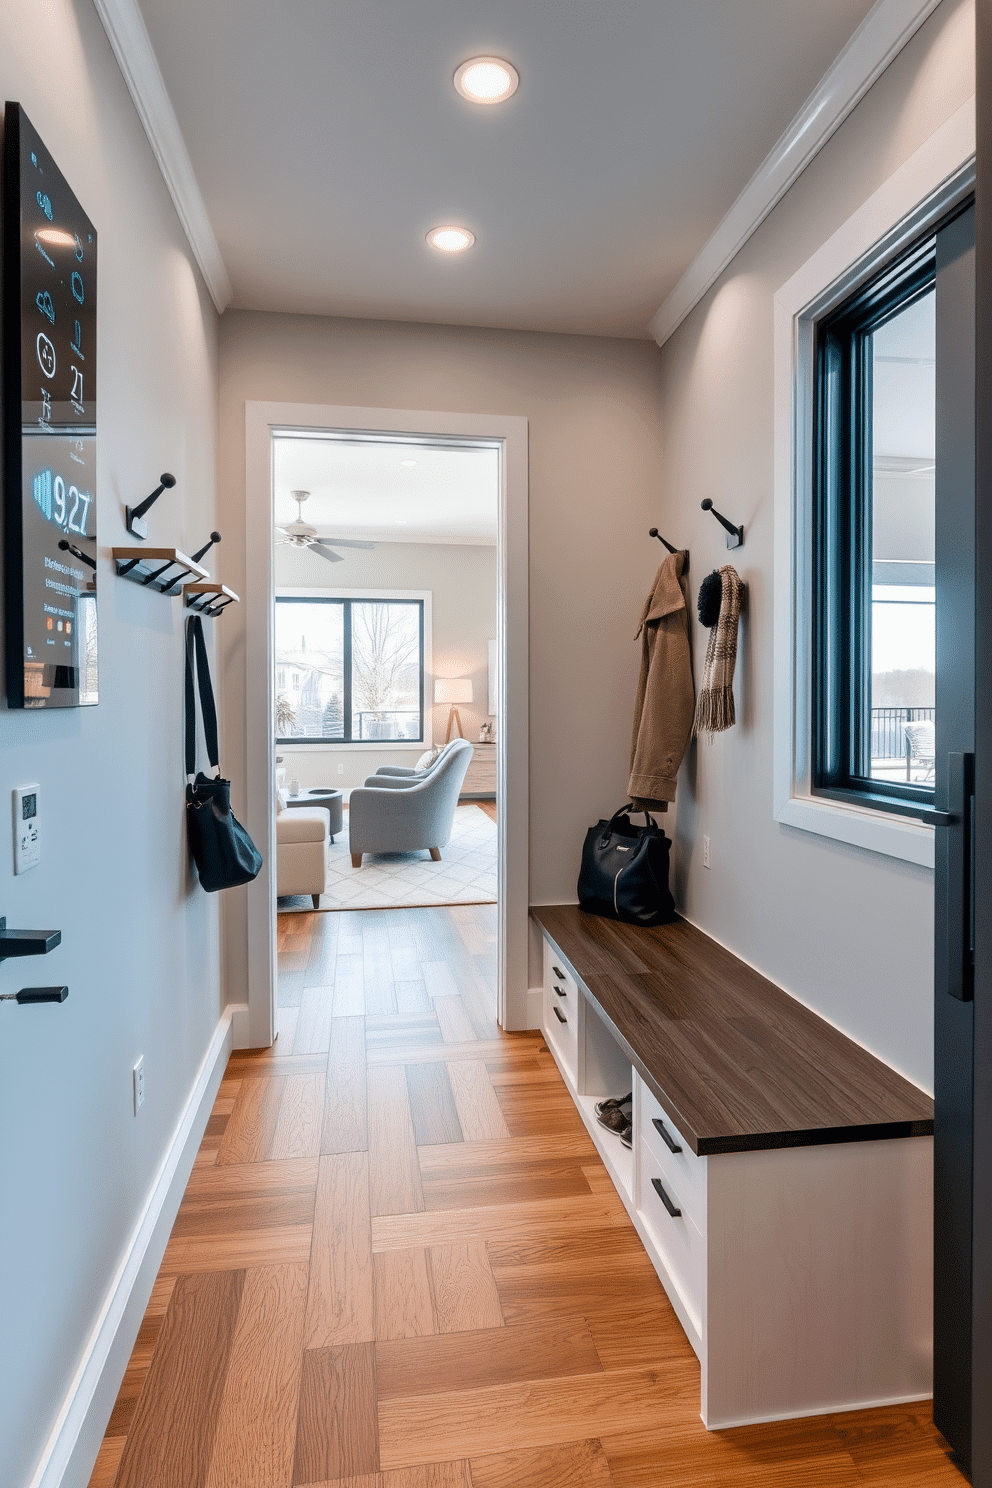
(349, 671)
(874, 587)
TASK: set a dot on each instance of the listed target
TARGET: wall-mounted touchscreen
(49, 429)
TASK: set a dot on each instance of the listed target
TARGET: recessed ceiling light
(408, 464)
(486, 79)
(450, 239)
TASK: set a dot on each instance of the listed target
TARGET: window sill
(876, 831)
(367, 746)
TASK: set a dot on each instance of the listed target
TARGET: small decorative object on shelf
(26, 942)
(136, 524)
(209, 598)
(735, 535)
(162, 569)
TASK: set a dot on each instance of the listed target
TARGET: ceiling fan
(301, 535)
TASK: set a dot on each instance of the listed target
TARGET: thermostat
(27, 833)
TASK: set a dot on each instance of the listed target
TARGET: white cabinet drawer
(561, 1011)
(680, 1245)
(687, 1172)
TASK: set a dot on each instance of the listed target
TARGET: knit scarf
(715, 703)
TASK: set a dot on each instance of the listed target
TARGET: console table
(480, 777)
(780, 1176)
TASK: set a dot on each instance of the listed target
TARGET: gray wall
(595, 489)
(140, 947)
(847, 931)
(461, 579)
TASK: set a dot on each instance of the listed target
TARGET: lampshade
(453, 690)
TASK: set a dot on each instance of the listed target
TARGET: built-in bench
(780, 1175)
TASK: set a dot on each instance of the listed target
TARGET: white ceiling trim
(125, 26)
(883, 33)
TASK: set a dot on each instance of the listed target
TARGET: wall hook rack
(26, 942)
(210, 598)
(214, 538)
(735, 535)
(68, 547)
(36, 994)
(653, 532)
(162, 569)
(136, 524)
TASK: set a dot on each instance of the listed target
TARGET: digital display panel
(49, 402)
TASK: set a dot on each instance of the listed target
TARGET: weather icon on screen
(46, 355)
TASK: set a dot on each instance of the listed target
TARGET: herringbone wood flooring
(400, 1263)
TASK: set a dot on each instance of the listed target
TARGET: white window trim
(919, 193)
(373, 746)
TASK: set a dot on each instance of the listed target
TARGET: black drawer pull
(561, 992)
(656, 1185)
(559, 1014)
(558, 973)
(665, 1135)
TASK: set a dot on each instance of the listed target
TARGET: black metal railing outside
(887, 738)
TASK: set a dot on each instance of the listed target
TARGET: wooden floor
(399, 1263)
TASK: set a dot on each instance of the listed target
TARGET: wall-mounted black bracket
(162, 569)
(735, 535)
(214, 538)
(210, 598)
(36, 994)
(135, 514)
(68, 547)
(653, 532)
(26, 942)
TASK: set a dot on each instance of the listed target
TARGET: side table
(320, 795)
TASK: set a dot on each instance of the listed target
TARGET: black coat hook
(134, 514)
(735, 535)
(68, 547)
(653, 532)
(214, 538)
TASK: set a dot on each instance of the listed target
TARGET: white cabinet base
(802, 1276)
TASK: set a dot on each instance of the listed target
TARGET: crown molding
(883, 33)
(125, 27)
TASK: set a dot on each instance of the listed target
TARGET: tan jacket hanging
(665, 704)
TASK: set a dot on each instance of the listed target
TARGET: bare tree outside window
(385, 655)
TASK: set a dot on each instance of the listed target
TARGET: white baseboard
(239, 1012)
(71, 1449)
(535, 1006)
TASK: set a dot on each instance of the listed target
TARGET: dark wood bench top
(739, 1063)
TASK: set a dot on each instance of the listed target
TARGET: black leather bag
(624, 873)
(224, 854)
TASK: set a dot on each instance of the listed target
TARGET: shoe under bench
(780, 1175)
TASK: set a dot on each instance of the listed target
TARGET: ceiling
(327, 138)
(363, 490)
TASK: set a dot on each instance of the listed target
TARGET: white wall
(595, 482)
(461, 579)
(848, 931)
(140, 948)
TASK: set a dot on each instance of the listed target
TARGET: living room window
(349, 670)
(873, 524)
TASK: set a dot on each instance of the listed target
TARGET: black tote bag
(224, 854)
(624, 873)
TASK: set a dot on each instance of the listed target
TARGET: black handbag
(624, 873)
(224, 854)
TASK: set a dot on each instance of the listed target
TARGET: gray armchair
(408, 813)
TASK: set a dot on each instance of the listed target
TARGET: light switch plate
(27, 829)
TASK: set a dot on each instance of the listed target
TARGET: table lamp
(453, 690)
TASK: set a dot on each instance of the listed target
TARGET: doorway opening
(381, 603)
(386, 704)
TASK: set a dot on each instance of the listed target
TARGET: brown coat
(665, 703)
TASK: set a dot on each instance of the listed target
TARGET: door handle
(958, 822)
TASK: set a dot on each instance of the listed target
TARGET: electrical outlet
(706, 852)
(138, 1074)
(340, 769)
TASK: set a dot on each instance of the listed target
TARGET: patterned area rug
(466, 873)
